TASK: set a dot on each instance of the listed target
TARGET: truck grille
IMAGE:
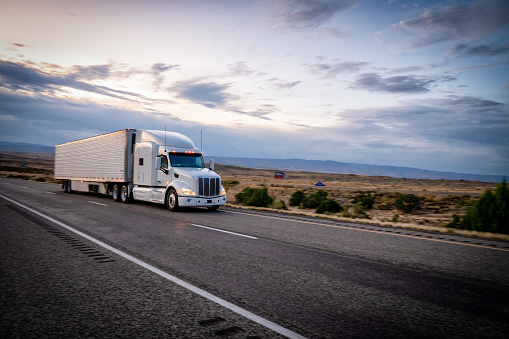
(209, 187)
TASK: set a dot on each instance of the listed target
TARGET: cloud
(17, 76)
(468, 131)
(331, 70)
(239, 69)
(465, 50)
(208, 94)
(309, 13)
(286, 85)
(397, 84)
(93, 72)
(158, 70)
(49, 121)
(465, 21)
(17, 44)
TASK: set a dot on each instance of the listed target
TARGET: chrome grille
(209, 187)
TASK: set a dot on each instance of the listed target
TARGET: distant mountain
(327, 166)
(25, 147)
(323, 166)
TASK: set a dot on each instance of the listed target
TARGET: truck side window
(141, 162)
(164, 162)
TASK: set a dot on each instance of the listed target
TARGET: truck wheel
(124, 194)
(172, 200)
(115, 193)
(67, 186)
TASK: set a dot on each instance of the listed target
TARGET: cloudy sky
(389, 82)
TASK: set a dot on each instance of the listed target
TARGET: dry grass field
(27, 166)
(438, 199)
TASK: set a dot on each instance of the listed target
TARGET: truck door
(163, 176)
(144, 164)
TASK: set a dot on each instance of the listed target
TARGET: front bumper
(189, 201)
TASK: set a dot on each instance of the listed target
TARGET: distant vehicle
(156, 166)
(279, 175)
(320, 184)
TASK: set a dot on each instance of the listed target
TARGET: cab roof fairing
(170, 141)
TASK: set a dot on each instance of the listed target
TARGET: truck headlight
(188, 192)
(223, 191)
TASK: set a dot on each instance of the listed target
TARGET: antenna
(165, 136)
(201, 140)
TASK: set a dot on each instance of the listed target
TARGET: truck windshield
(186, 160)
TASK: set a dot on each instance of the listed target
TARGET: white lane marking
(369, 231)
(51, 192)
(215, 229)
(23, 186)
(97, 203)
(221, 302)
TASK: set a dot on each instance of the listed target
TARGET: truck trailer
(147, 165)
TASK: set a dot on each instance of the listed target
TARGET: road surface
(82, 265)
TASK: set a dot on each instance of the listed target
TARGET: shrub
(255, 197)
(329, 205)
(490, 213)
(229, 183)
(364, 200)
(407, 202)
(455, 223)
(280, 205)
(297, 198)
(314, 200)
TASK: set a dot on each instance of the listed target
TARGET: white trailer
(157, 166)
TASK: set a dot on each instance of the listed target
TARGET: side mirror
(211, 165)
(159, 165)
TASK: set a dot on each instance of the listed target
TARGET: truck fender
(177, 185)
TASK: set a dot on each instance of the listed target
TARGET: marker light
(188, 192)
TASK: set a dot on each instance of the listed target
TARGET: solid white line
(97, 203)
(215, 229)
(370, 231)
(245, 313)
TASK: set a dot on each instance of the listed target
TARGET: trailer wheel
(115, 193)
(172, 200)
(124, 194)
(67, 186)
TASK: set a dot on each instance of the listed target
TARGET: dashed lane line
(218, 230)
(97, 203)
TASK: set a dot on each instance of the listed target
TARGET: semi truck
(148, 165)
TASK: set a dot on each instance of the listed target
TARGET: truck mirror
(158, 162)
(211, 165)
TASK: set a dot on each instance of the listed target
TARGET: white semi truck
(148, 165)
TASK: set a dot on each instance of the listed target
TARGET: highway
(81, 265)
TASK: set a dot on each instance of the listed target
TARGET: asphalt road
(138, 270)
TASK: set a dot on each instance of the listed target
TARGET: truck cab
(169, 169)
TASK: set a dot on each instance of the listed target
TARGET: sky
(421, 84)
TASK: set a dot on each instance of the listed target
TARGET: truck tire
(124, 194)
(172, 200)
(67, 186)
(115, 193)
